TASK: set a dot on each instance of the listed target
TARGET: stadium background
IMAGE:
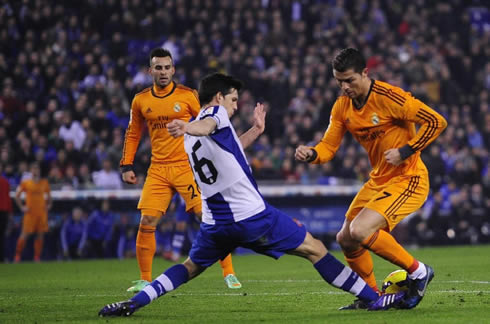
(69, 70)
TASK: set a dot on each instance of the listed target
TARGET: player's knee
(357, 233)
(149, 220)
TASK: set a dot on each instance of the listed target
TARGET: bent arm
(431, 126)
(201, 127)
(325, 150)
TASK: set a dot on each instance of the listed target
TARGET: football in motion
(395, 282)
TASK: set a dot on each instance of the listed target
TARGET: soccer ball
(395, 282)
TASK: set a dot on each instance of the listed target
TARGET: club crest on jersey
(375, 119)
(177, 107)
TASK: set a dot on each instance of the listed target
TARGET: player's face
(353, 84)
(35, 171)
(162, 70)
(230, 102)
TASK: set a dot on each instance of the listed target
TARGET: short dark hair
(160, 52)
(349, 58)
(217, 82)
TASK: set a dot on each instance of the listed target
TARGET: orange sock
(38, 248)
(384, 244)
(361, 262)
(227, 266)
(145, 249)
(21, 243)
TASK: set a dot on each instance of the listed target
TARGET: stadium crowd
(69, 70)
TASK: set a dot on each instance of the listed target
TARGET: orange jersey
(157, 108)
(35, 195)
(385, 121)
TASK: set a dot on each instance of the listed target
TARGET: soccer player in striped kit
(169, 171)
(234, 212)
(382, 118)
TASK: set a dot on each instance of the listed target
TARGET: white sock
(419, 273)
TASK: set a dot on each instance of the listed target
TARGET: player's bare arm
(202, 127)
(303, 153)
(393, 156)
(257, 128)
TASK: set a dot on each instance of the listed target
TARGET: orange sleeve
(133, 134)
(431, 123)
(194, 103)
(330, 143)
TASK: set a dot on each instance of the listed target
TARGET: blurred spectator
(74, 234)
(100, 228)
(107, 178)
(71, 130)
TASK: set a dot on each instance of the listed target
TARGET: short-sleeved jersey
(35, 195)
(157, 108)
(385, 121)
(229, 191)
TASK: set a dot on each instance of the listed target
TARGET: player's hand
(129, 177)
(303, 153)
(177, 128)
(24, 209)
(259, 117)
(393, 157)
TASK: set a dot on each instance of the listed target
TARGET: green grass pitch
(287, 290)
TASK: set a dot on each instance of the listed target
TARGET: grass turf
(287, 290)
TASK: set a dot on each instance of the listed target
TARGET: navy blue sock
(172, 278)
(340, 276)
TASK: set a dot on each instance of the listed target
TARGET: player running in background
(382, 118)
(37, 203)
(234, 212)
(169, 171)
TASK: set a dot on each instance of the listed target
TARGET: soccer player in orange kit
(382, 118)
(169, 171)
(37, 203)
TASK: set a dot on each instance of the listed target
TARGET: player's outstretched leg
(229, 274)
(417, 288)
(171, 279)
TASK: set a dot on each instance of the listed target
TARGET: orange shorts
(162, 181)
(395, 199)
(35, 223)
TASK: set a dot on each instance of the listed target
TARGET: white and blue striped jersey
(229, 191)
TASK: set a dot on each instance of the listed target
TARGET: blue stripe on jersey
(225, 139)
(220, 209)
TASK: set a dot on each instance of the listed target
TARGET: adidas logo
(148, 110)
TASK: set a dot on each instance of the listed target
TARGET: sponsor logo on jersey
(177, 107)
